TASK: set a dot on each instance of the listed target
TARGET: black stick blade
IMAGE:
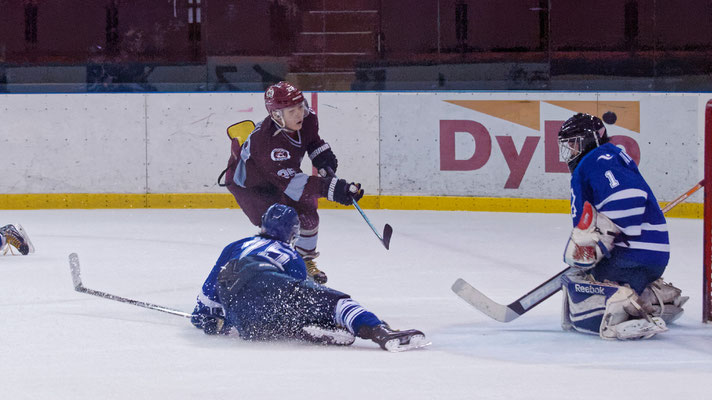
(76, 273)
(387, 233)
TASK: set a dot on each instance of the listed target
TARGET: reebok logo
(589, 289)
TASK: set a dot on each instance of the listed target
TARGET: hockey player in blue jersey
(619, 243)
(259, 287)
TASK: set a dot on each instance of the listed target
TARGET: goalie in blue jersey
(259, 288)
(619, 243)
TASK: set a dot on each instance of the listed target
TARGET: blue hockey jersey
(609, 179)
(276, 252)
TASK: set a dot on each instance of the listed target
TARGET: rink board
(409, 150)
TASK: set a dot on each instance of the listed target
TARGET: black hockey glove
(323, 159)
(212, 325)
(344, 193)
(209, 320)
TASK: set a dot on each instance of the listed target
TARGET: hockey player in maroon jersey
(267, 169)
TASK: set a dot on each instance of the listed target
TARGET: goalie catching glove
(591, 239)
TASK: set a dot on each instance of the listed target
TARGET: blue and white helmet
(280, 222)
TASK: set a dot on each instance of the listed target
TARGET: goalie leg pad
(565, 312)
(635, 329)
(606, 309)
(585, 302)
(666, 300)
(627, 318)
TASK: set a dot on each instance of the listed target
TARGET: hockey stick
(387, 229)
(683, 197)
(79, 287)
(513, 310)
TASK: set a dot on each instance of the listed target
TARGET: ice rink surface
(56, 343)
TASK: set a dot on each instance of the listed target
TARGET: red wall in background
(74, 31)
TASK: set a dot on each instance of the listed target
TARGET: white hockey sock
(307, 240)
(351, 315)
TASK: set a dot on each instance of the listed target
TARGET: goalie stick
(79, 287)
(683, 197)
(513, 310)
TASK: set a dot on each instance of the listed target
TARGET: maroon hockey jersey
(270, 160)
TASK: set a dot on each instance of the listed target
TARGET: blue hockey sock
(353, 316)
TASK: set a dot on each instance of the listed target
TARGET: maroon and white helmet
(283, 95)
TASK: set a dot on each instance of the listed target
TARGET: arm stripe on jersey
(650, 227)
(207, 301)
(624, 213)
(633, 230)
(623, 194)
(646, 246)
(637, 230)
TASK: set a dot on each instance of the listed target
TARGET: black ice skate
(327, 336)
(394, 340)
(16, 236)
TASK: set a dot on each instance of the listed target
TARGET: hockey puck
(609, 117)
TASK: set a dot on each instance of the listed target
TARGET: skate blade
(415, 342)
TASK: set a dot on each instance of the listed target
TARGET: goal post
(707, 218)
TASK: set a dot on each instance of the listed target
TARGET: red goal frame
(707, 218)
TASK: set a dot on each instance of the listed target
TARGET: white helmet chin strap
(280, 123)
(278, 118)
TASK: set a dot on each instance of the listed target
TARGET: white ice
(56, 343)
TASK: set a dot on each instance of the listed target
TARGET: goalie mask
(282, 96)
(579, 135)
(280, 222)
